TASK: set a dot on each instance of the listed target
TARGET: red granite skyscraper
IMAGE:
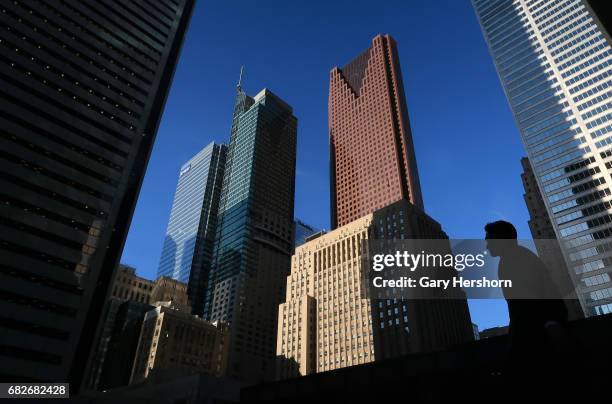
(372, 154)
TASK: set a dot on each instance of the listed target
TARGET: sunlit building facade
(188, 246)
(372, 160)
(174, 343)
(327, 321)
(555, 65)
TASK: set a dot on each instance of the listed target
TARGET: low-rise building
(173, 341)
(134, 294)
(129, 286)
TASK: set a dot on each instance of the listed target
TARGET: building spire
(240, 78)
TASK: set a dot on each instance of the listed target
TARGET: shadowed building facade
(371, 151)
(254, 241)
(545, 240)
(135, 294)
(82, 89)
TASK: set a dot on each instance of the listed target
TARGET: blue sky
(467, 145)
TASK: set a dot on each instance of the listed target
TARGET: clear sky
(467, 145)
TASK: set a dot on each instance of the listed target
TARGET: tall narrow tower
(190, 235)
(372, 155)
(553, 60)
(254, 241)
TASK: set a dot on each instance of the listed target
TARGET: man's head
(500, 235)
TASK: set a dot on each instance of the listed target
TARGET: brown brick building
(371, 151)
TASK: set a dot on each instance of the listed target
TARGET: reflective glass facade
(555, 65)
(254, 241)
(187, 250)
(301, 231)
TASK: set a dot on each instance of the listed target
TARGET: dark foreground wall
(474, 371)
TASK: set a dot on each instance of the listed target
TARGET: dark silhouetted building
(602, 13)
(122, 343)
(371, 152)
(254, 239)
(451, 375)
(493, 332)
(190, 236)
(82, 90)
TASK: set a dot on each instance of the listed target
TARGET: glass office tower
(254, 240)
(301, 231)
(82, 90)
(188, 246)
(555, 65)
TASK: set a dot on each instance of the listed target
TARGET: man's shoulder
(521, 261)
(523, 254)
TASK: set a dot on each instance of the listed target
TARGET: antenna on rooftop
(240, 78)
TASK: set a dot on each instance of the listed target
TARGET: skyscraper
(554, 61)
(301, 231)
(188, 246)
(371, 152)
(545, 240)
(326, 321)
(82, 89)
(254, 243)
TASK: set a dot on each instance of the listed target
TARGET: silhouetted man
(534, 302)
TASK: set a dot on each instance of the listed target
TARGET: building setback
(188, 246)
(327, 322)
(253, 246)
(371, 152)
(82, 89)
(553, 60)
